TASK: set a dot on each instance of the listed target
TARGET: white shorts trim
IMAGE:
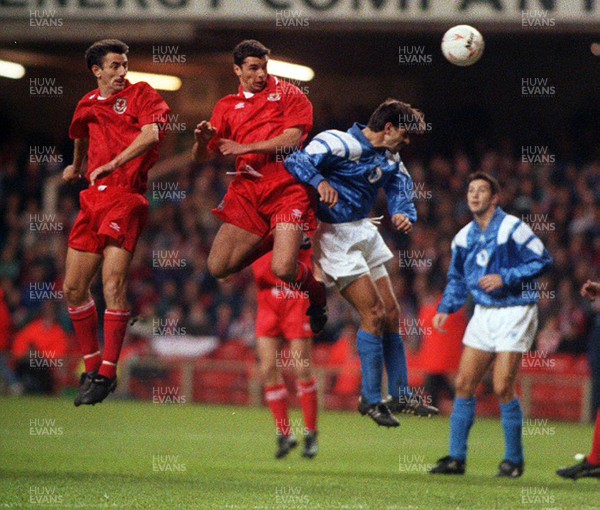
(502, 329)
(346, 251)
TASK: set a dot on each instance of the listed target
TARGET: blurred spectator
(344, 356)
(7, 375)
(39, 349)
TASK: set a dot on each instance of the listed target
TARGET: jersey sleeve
(399, 190)
(298, 111)
(533, 257)
(455, 293)
(79, 126)
(152, 107)
(313, 164)
(217, 121)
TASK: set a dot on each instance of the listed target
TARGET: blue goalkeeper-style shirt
(356, 169)
(508, 247)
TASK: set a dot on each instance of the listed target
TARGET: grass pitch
(122, 454)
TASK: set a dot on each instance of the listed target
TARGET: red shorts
(115, 215)
(257, 205)
(281, 316)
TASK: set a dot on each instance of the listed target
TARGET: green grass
(102, 457)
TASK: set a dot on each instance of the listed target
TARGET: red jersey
(112, 124)
(264, 277)
(262, 116)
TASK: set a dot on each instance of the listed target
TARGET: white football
(462, 45)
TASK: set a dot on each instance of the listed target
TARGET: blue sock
(461, 421)
(512, 422)
(396, 367)
(370, 351)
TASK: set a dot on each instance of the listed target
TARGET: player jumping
(281, 314)
(117, 127)
(589, 467)
(495, 258)
(347, 169)
(264, 205)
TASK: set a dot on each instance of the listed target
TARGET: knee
(465, 388)
(114, 288)
(504, 389)
(268, 371)
(374, 317)
(284, 269)
(74, 294)
(304, 370)
(392, 318)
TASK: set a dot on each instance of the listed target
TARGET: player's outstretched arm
(284, 143)
(203, 134)
(72, 173)
(147, 139)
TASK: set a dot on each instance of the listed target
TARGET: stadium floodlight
(157, 81)
(11, 70)
(291, 71)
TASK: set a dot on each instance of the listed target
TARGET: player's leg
(232, 250)
(401, 399)
(115, 270)
(307, 392)
(473, 365)
(80, 269)
(589, 467)
(506, 368)
(363, 296)
(285, 265)
(275, 392)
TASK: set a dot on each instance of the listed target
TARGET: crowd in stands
(560, 200)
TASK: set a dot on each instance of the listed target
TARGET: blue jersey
(356, 169)
(508, 247)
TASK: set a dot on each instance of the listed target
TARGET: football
(462, 45)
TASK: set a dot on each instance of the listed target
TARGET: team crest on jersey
(239, 105)
(274, 97)
(483, 257)
(120, 105)
(375, 175)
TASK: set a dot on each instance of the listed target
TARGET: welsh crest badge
(274, 97)
(120, 105)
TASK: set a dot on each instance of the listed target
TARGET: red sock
(115, 324)
(85, 323)
(306, 279)
(594, 457)
(276, 397)
(307, 391)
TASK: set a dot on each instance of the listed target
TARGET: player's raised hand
(231, 148)
(327, 193)
(204, 132)
(439, 321)
(102, 171)
(70, 174)
(590, 290)
(491, 282)
(402, 223)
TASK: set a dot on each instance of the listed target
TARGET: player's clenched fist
(70, 174)
(204, 132)
(328, 194)
(402, 223)
(439, 321)
(590, 290)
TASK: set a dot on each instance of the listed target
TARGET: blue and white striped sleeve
(320, 157)
(533, 258)
(399, 190)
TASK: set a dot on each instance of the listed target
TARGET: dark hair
(487, 178)
(95, 54)
(400, 114)
(249, 48)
